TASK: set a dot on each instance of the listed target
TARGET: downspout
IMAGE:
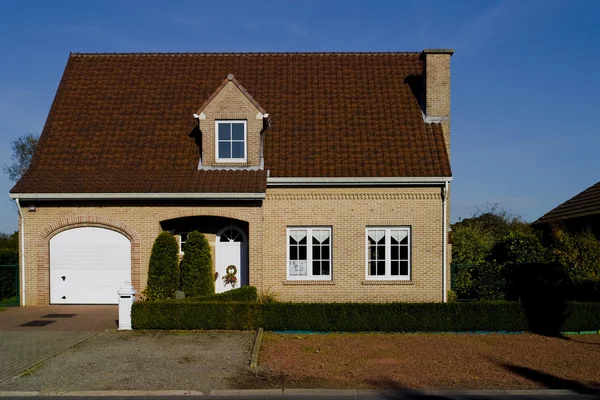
(22, 230)
(444, 244)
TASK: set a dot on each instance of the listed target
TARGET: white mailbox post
(126, 299)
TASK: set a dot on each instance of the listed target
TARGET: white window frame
(388, 264)
(231, 160)
(180, 243)
(309, 259)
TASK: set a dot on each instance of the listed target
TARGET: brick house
(320, 176)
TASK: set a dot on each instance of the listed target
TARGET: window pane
(224, 150)
(302, 237)
(380, 267)
(404, 237)
(325, 253)
(316, 268)
(376, 235)
(316, 253)
(404, 252)
(381, 252)
(372, 268)
(395, 237)
(394, 251)
(224, 131)
(325, 267)
(237, 150)
(302, 252)
(403, 267)
(395, 268)
(237, 131)
(298, 268)
(293, 252)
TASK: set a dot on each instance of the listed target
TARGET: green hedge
(354, 317)
(245, 293)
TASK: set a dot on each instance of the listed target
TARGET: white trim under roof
(137, 196)
(377, 181)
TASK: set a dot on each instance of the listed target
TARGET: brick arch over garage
(53, 229)
(205, 212)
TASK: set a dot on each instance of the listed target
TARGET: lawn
(10, 300)
(431, 361)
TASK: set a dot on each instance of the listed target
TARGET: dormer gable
(231, 122)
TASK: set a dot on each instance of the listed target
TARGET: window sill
(308, 282)
(382, 282)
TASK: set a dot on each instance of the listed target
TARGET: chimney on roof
(437, 88)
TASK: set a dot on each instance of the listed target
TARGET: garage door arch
(51, 230)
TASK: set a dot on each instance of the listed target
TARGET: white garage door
(88, 266)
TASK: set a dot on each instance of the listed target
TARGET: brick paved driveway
(22, 347)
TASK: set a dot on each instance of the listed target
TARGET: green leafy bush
(489, 282)
(197, 277)
(353, 317)
(577, 253)
(520, 248)
(163, 270)
(462, 281)
(245, 293)
(9, 256)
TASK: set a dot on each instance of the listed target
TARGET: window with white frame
(309, 253)
(231, 141)
(388, 253)
(182, 240)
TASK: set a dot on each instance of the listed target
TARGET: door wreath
(230, 277)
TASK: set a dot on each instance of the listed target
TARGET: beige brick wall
(231, 103)
(141, 224)
(347, 210)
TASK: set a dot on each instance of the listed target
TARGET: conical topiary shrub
(197, 278)
(163, 270)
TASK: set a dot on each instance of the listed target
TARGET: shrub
(489, 282)
(520, 248)
(577, 253)
(163, 270)
(245, 293)
(197, 278)
(9, 256)
(354, 317)
(583, 290)
(462, 281)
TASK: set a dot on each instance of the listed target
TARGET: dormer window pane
(225, 132)
(237, 131)
(231, 141)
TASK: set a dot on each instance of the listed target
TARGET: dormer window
(231, 141)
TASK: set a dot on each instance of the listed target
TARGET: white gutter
(444, 245)
(139, 196)
(22, 251)
(277, 181)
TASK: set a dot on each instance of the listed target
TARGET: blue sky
(525, 74)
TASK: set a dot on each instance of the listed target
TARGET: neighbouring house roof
(584, 204)
(124, 122)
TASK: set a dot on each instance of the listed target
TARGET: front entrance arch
(231, 247)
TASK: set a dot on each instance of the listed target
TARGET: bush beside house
(197, 277)
(358, 317)
(163, 270)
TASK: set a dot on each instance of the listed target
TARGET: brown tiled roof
(584, 204)
(122, 122)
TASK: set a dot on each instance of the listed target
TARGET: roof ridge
(324, 53)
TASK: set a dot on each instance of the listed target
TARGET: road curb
(256, 348)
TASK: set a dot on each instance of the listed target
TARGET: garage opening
(88, 266)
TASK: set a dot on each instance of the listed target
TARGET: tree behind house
(197, 277)
(23, 149)
(163, 271)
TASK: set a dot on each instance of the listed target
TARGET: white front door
(232, 250)
(88, 266)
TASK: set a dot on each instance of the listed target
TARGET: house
(576, 214)
(322, 177)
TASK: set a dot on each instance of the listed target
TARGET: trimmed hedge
(244, 293)
(197, 278)
(163, 269)
(352, 317)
